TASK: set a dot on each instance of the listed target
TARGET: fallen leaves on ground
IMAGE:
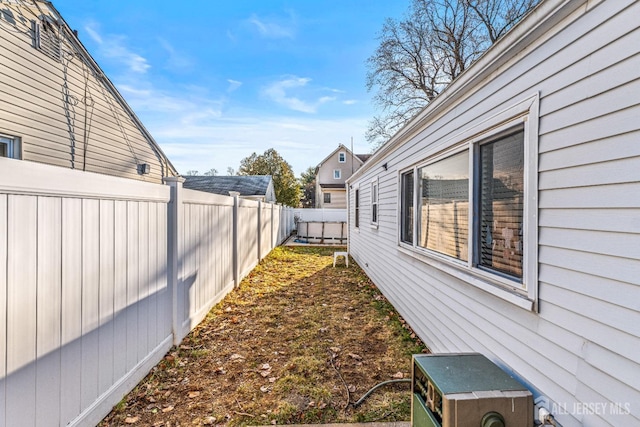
(298, 342)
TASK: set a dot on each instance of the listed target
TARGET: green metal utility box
(466, 390)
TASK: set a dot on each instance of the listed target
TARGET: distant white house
(332, 173)
(504, 218)
(251, 187)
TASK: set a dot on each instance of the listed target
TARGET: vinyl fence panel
(87, 282)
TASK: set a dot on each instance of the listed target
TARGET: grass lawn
(299, 341)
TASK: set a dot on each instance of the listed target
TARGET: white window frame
(357, 207)
(342, 155)
(524, 114)
(375, 205)
(337, 173)
(13, 146)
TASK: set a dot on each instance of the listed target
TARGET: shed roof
(246, 185)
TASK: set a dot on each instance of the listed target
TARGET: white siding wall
(582, 346)
(86, 286)
(44, 105)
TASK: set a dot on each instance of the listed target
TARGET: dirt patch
(298, 342)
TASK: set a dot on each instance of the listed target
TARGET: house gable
(62, 107)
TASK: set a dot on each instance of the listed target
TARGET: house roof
(361, 158)
(246, 185)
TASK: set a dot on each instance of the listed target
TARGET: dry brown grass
(298, 342)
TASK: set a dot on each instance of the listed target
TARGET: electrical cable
(367, 394)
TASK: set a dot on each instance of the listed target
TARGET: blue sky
(214, 81)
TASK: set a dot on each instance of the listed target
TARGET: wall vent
(46, 37)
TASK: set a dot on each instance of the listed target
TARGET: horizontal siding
(35, 87)
(582, 345)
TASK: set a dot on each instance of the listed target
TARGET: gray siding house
(504, 218)
(250, 187)
(57, 105)
(332, 173)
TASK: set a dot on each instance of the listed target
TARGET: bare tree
(420, 55)
(211, 172)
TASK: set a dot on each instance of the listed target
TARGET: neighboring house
(332, 173)
(504, 218)
(252, 187)
(59, 108)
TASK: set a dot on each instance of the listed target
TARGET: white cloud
(349, 102)
(114, 47)
(196, 132)
(302, 142)
(233, 85)
(175, 60)
(273, 28)
(280, 93)
(186, 107)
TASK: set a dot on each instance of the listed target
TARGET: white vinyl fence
(320, 215)
(100, 276)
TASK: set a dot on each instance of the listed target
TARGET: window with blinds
(406, 208)
(357, 209)
(443, 206)
(374, 202)
(9, 147)
(437, 219)
(500, 205)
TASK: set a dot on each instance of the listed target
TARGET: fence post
(174, 263)
(273, 241)
(259, 230)
(236, 258)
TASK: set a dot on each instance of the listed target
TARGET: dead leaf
(272, 379)
(265, 366)
(167, 409)
(398, 375)
(194, 394)
(131, 420)
(236, 357)
(264, 389)
(265, 374)
(335, 349)
(355, 356)
(209, 421)
(352, 388)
